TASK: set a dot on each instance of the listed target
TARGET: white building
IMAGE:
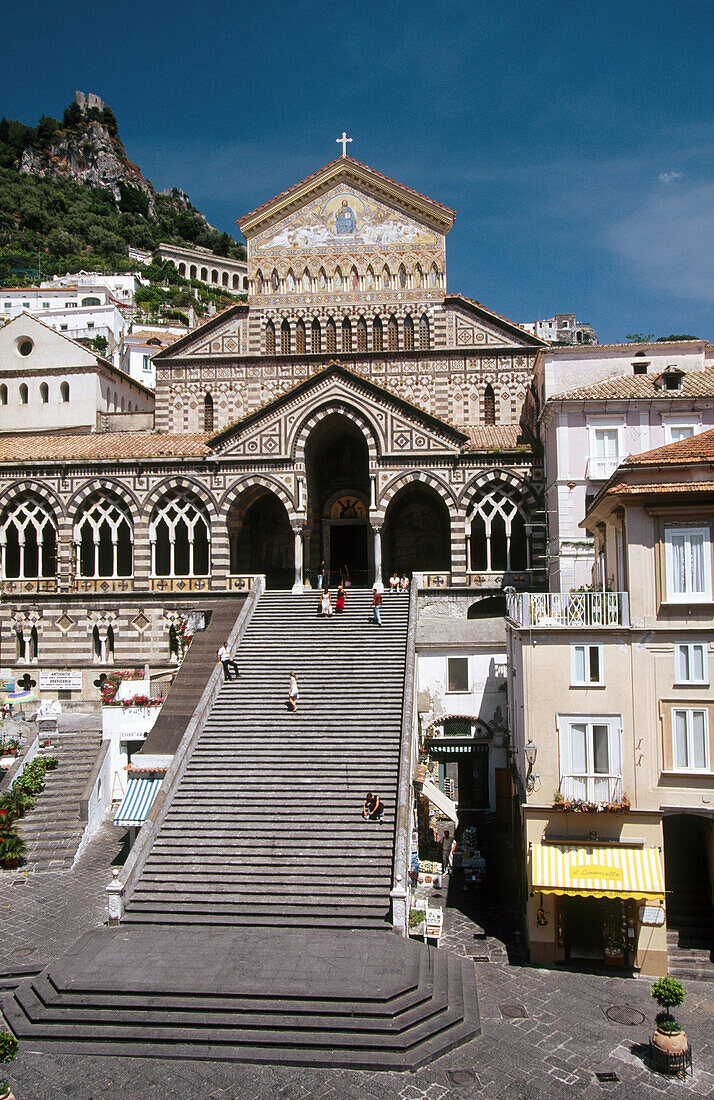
(122, 288)
(207, 267)
(49, 383)
(563, 328)
(137, 349)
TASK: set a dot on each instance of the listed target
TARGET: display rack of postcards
(468, 857)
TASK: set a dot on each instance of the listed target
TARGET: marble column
(377, 528)
(298, 530)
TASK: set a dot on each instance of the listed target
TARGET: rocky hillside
(70, 196)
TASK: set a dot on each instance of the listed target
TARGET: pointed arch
(207, 413)
(434, 275)
(274, 281)
(290, 281)
(103, 536)
(393, 334)
(499, 539)
(419, 276)
(354, 278)
(402, 278)
(408, 333)
(259, 282)
(322, 279)
(424, 340)
(377, 334)
(285, 338)
(315, 337)
(337, 279)
(180, 536)
(28, 538)
(306, 280)
(370, 282)
(300, 337)
(386, 278)
(269, 338)
(361, 334)
(346, 334)
(330, 336)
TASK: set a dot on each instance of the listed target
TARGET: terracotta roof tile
(342, 160)
(504, 437)
(627, 488)
(93, 446)
(696, 449)
(628, 386)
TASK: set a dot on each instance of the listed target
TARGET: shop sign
(63, 679)
(651, 914)
(595, 870)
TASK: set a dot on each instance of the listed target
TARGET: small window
(44, 393)
(63, 328)
(146, 365)
(673, 381)
(90, 324)
(687, 554)
(3, 394)
(45, 305)
(458, 727)
(64, 392)
(639, 368)
(458, 673)
(23, 394)
(690, 663)
(25, 305)
(690, 734)
(585, 665)
(675, 432)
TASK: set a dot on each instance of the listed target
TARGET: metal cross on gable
(343, 142)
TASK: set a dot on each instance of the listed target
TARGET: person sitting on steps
(394, 582)
(373, 809)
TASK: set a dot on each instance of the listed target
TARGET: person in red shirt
(376, 606)
(340, 600)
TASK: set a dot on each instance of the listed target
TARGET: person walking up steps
(293, 693)
(376, 607)
(229, 665)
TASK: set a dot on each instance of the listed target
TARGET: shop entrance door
(473, 780)
(583, 920)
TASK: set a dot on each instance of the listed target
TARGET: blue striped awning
(137, 801)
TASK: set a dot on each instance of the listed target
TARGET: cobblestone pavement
(545, 1033)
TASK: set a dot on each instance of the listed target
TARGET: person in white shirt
(229, 665)
(394, 583)
(293, 693)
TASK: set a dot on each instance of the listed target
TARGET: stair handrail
(403, 815)
(124, 883)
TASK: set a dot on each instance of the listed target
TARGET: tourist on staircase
(373, 809)
(340, 600)
(376, 607)
(293, 693)
(229, 665)
(404, 583)
(326, 604)
(394, 582)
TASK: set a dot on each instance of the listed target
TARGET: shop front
(597, 905)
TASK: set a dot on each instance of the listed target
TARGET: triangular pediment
(27, 343)
(348, 173)
(397, 428)
(471, 325)
(224, 334)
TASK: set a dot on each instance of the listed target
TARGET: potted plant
(417, 922)
(669, 1040)
(8, 1047)
(12, 850)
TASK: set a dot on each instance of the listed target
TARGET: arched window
(23, 394)
(331, 336)
(386, 278)
(274, 282)
(181, 271)
(224, 279)
(116, 401)
(3, 394)
(122, 404)
(64, 392)
(434, 275)
(489, 405)
(270, 338)
(259, 282)
(306, 280)
(28, 540)
(44, 393)
(103, 536)
(204, 274)
(192, 271)
(361, 334)
(393, 334)
(214, 276)
(408, 333)
(402, 276)
(207, 413)
(346, 335)
(500, 541)
(285, 337)
(338, 279)
(354, 278)
(109, 648)
(322, 279)
(180, 537)
(300, 337)
(419, 276)
(236, 282)
(290, 281)
(27, 642)
(369, 279)
(316, 337)
(377, 334)
(96, 646)
(424, 333)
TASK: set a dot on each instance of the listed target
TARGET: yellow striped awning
(617, 872)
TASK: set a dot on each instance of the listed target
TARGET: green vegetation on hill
(61, 225)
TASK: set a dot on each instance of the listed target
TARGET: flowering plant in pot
(12, 849)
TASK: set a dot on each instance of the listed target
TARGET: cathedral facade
(352, 412)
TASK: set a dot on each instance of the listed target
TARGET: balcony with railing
(569, 609)
(592, 788)
(601, 467)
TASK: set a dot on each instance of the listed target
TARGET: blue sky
(574, 140)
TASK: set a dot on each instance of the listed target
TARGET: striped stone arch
(459, 718)
(417, 477)
(494, 479)
(342, 406)
(180, 482)
(248, 482)
(53, 501)
(107, 484)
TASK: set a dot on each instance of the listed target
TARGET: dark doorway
(261, 538)
(417, 533)
(337, 462)
(687, 859)
(583, 922)
(348, 550)
(473, 781)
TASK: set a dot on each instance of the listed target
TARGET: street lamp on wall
(531, 752)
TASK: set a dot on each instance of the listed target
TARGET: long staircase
(266, 826)
(53, 830)
(258, 930)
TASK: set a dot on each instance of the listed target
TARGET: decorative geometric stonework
(65, 622)
(140, 622)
